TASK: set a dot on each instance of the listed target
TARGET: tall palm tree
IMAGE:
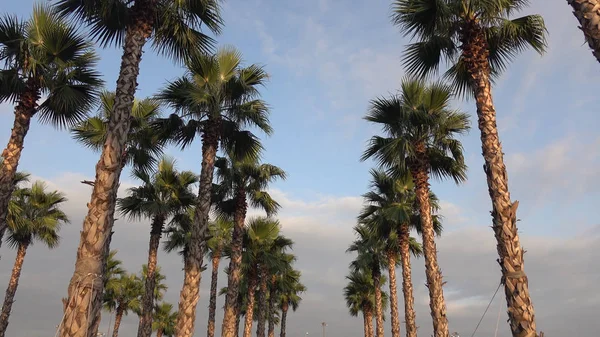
(216, 98)
(479, 39)
(160, 196)
(283, 266)
(43, 55)
(360, 297)
(123, 298)
(419, 138)
(114, 272)
(174, 28)
(586, 12)
(38, 218)
(289, 289)
(240, 305)
(160, 286)
(220, 238)
(241, 182)
(143, 146)
(164, 320)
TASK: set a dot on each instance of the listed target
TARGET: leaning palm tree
(164, 320)
(241, 183)
(162, 195)
(174, 28)
(220, 238)
(360, 297)
(479, 39)
(123, 298)
(42, 56)
(38, 218)
(586, 12)
(216, 98)
(419, 138)
(290, 290)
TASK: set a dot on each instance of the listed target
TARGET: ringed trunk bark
(12, 288)
(407, 286)
(145, 325)
(118, 317)
(366, 324)
(587, 13)
(284, 311)
(86, 286)
(190, 291)
(228, 328)
(262, 303)
(272, 295)
(159, 333)
(393, 295)
(521, 313)
(378, 303)
(24, 111)
(238, 318)
(250, 303)
(369, 314)
(212, 307)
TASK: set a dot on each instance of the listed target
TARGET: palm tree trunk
(190, 291)
(262, 303)
(369, 314)
(118, 317)
(366, 324)
(250, 303)
(272, 295)
(12, 287)
(145, 325)
(432, 271)
(378, 303)
(238, 318)
(407, 286)
(284, 311)
(159, 333)
(587, 13)
(393, 294)
(24, 111)
(86, 285)
(504, 212)
(212, 307)
(228, 328)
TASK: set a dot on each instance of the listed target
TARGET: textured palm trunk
(118, 318)
(145, 325)
(587, 13)
(521, 313)
(190, 291)
(238, 318)
(250, 303)
(393, 294)
(432, 271)
(228, 328)
(378, 303)
(212, 307)
(366, 324)
(159, 333)
(262, 302)
(86, 286)
(284, 311)
(369, 318)
(407, 286)
(12, 288)
(24, 111)
(272, 296)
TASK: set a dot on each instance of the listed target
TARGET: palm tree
(240, 305)
(586, 12)
(143, 147)
(360, 297)
(159, 288)
(174, 27)
(282, 266)
(114, 272)
(38, 218)
(479, 39)
(215, 98)
(420, 139)
(220, 238)
(160, 196)
(289, 290)
(123, 298)
(164, 320)
(43, 56)
(241, 182)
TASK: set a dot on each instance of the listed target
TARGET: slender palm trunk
(369, 318)
(432, 270)
(378, 303)
(228, 328)
(190, 291)
(238, 318)
(262, 302)
(145, 325)
(86, 286)
(212, 307)
(587, 13)
(366, 324)
(521, 313)
(24, 111)
(159, 333)
(118, 318)
(250, 303)
(393, 294)
(284, 311)
(272, 296)
(407, 286)
(12, 287)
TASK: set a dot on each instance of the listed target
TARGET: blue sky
(327, 59)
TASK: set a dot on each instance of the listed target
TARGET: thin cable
(498, 320)
(486, 309)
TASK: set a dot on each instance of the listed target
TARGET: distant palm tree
(290, 290)
(360, 297)
(162, 195)
(114, 272)
(43, 55)
(586, 12)
(164, 320)
(160, 286)
(220, 238)
(38, 218)
(123, 298)
(282, 278)
(420, 139)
